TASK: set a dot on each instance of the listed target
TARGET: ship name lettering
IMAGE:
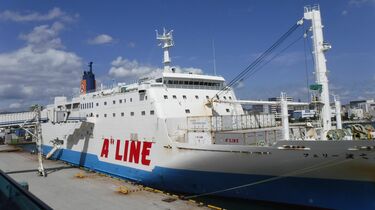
(129, 151)
(230, 140)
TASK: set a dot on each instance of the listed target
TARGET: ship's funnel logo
(83, 86)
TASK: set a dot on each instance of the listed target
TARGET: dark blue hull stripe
(327, 193)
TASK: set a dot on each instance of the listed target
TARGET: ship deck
(67, 187)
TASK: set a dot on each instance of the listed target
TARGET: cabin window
(227, 110)
(159, 80)
(143, 113)
(230, 98)
(225, 98)
(184, 97)
(197, 97)
(105, 103)
(207, 97)
(125, 100)
(131, 99)
(152, 112)
(122, 114)
(97, 116)
(114, 102)
(114, 114)
(131, 113)
(165, 97)
(97, 104)
(120, 101)
(174, 97)
(105, 115)
(187, 111)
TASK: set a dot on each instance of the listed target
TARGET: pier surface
(67, 187)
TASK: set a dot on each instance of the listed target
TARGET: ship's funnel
(88, 82)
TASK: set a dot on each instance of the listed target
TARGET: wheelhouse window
(194, 83)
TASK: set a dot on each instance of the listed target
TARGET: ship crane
(321, 79)
(319, 48)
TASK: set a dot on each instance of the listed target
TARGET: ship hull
(303, 187)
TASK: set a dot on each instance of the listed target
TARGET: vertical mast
(166, 41)
(313, 14)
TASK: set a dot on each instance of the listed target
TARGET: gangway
(27, 119)
(18, 118)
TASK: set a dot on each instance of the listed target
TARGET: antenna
(90, 66)
(214, 55)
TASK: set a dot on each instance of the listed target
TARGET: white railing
(230, 122)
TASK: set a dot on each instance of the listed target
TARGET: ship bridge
(192, 81)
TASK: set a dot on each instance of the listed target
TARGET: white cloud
(101, 39)
(126, 69)
(44, 37)
(53, 14)
(240, 85)
(344, 12)
(131, 44)
(38, 71)
(15, 105)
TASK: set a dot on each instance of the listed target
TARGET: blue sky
(45, 45)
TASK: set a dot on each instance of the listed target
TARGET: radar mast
(166, 41)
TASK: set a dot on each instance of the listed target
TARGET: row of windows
(120, 101)
(91, 105)
(196, 97)
(180, 82)
(87, 105)
(122, 114)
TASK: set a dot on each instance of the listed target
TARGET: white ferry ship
(175, 132)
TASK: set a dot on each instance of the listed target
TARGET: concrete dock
(68, 187)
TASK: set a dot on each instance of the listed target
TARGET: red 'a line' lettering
(105, 148)
(126, 150)
(135, 148)
(146, 152)
(118, 156)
